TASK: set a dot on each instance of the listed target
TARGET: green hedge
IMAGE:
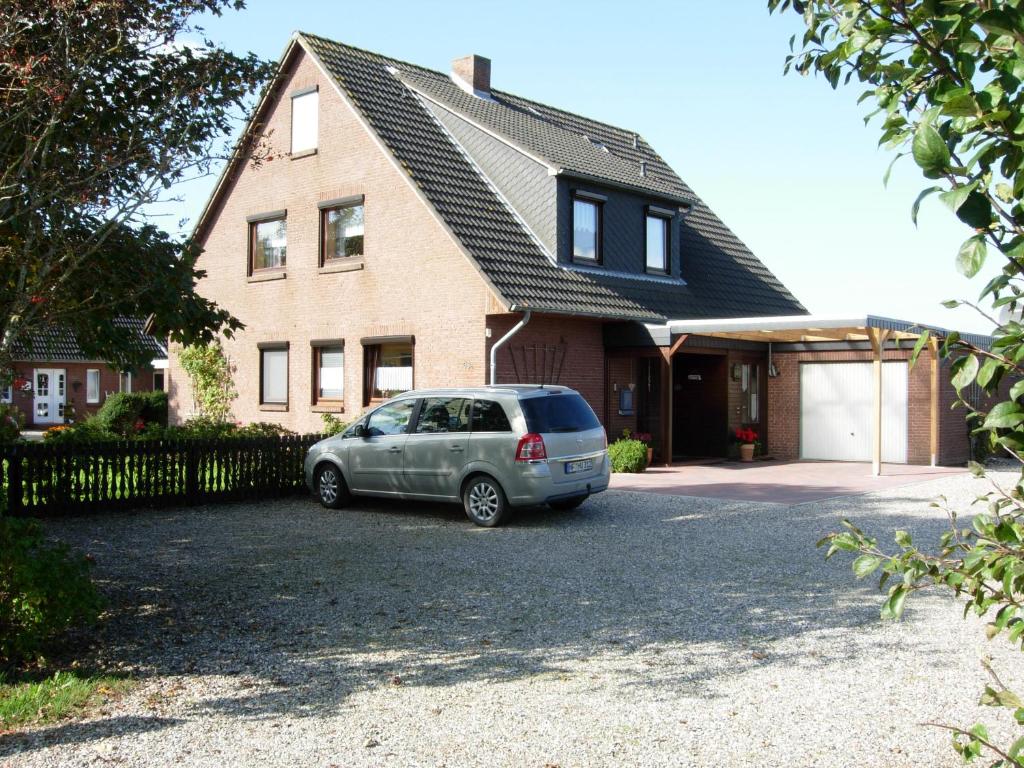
(122, 411)
(628, 456)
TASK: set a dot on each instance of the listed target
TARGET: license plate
(578, 466)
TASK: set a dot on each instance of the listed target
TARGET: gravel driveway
(639, 630)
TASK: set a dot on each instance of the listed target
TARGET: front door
(699, 405)
(49, 393)
(376, 459)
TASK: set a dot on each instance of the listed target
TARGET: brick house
(427, 229)
(55, 381)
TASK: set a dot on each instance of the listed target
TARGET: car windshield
(558, 413)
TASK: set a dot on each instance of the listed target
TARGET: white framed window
(305, 119)
(92, 386)
(657, 244)
(274, 376)
(7, 394)
(126, 381)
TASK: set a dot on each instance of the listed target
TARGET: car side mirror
(360, 431)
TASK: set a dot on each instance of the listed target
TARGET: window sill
(274, 406)
(587, 262)
(327, 408)
(303, 153)
(350, 264)
(264, 275)
(657, 272)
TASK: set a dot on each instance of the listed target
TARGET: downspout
(500, 342)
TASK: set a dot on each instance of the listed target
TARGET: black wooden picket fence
(48, 479)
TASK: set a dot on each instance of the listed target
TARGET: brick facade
(75, 393)
(414, 279)
(552, 350)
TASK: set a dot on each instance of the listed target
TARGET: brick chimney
(473, 74)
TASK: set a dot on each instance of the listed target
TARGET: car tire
(329, 486)
(484, 501)
(567, 505)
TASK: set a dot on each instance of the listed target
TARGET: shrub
(120, 413)
(628, 456)
(333, 425)
(11, 422)
(202, 427)
(44, 591)
(154, 407)
(263, 429)
(89, 430)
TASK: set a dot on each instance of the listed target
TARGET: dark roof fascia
(681, 200)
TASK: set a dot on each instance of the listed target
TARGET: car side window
(489, 416)
(392, 419)
(443, 414)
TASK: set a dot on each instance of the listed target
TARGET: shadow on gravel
(308, 606)
(81, 732)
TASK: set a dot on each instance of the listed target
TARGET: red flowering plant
(745, 435)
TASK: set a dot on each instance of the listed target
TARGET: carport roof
(805, 328)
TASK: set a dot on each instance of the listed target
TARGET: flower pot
(746, 451)
(650, 455)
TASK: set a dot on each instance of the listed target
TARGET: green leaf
(990, 371)
(975, 211)
(964, 105)
(998, 22)
(892, 608)
(929, 150)
(972, 255)
(865, 565)
(964, 370)
(920, 199)
(1017, 389)
(903, 539)
(957, 196)
(1005, 415)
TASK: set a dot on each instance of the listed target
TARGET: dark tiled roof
(724, 278)
(60, 344)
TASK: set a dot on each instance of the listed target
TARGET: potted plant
(747, 439)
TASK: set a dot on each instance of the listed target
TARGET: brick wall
(784, 404)
(414, 281)
(575, 349)
(75, 392)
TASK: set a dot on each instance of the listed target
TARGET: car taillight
(530, 448)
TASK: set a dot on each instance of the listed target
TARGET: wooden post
(933, 347)
(667, 353)
(878, 338)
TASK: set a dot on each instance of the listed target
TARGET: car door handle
(455, 448)
(394, 449)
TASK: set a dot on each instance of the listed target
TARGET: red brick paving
(789, 482)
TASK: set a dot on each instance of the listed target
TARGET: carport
(820, 339)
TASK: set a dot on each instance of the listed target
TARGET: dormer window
(657, 239)
(587, 227)
(305, 121)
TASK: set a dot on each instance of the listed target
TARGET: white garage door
(836, 407)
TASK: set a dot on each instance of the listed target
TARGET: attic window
(597, 144)
(305, 119)
(587, 226)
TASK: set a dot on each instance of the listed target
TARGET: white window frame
(92, 394)
(305, 121)
(122, 380)
(7, 394)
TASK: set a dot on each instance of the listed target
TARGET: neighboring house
(54, 380)
(423, 222)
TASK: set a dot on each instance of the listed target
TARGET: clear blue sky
(785, 161)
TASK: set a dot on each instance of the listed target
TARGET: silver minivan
(492, 448)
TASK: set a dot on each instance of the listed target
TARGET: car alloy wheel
(328, 485)
(483, 501)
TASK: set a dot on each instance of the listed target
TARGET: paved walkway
(790, 482)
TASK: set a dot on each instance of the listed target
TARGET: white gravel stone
(639, 630)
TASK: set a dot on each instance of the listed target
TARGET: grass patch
(65, 694)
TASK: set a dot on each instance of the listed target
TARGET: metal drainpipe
(500, 342)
